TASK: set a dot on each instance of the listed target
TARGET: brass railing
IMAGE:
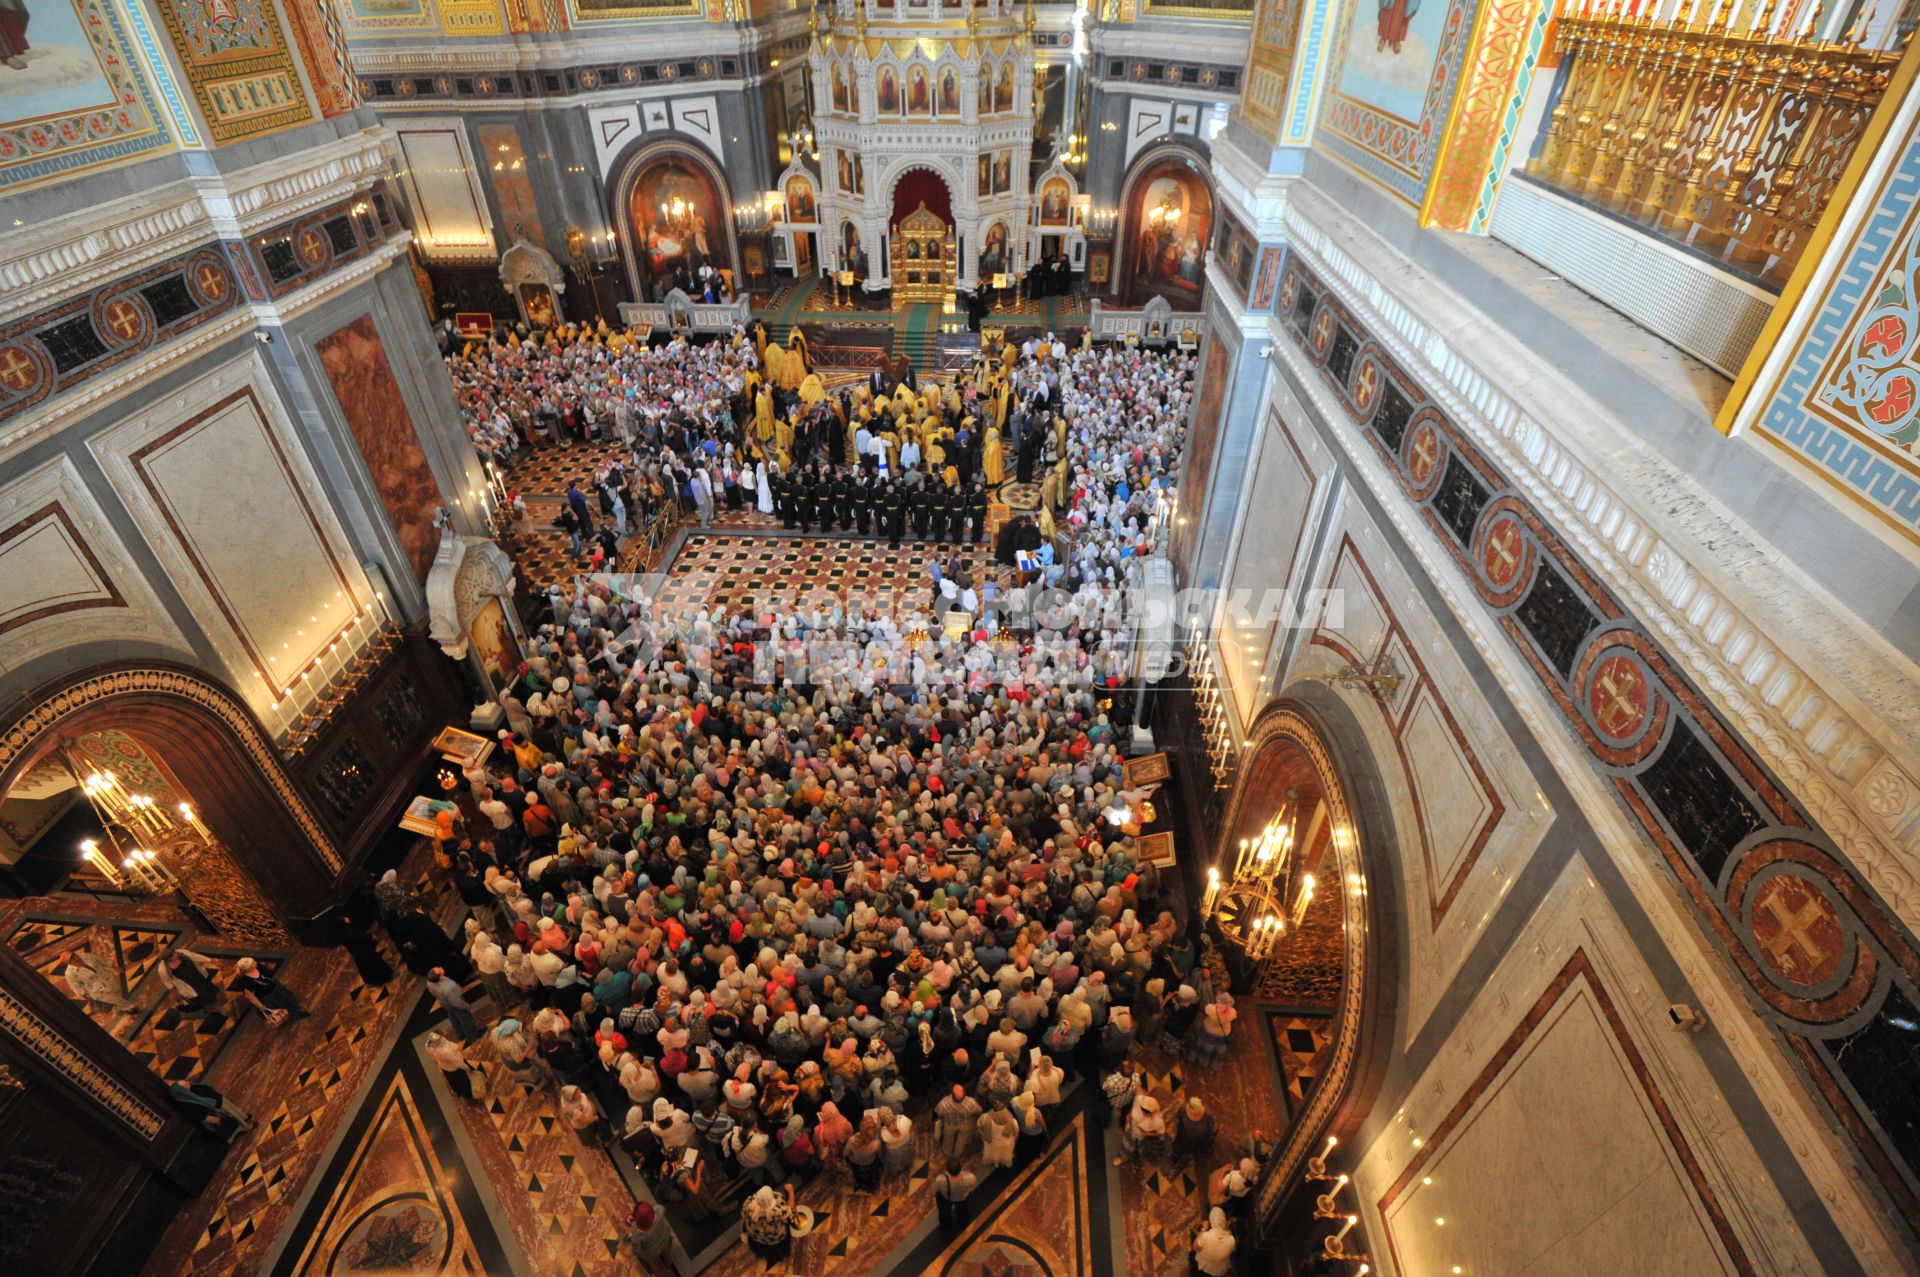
(1728, 140)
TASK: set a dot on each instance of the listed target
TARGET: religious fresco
(1846, 404)
(495, 645)
(323, 50)
(949, 91)
(471, 18)
(984, 184)
(1002, 172)
(374, 410)
(71, 97)
(1234, 248)
(993, 250)
(802, 205)
(1003, 90)
(1270, 69)
(887, 91)
(504, 160)
(238, 64)
(1169, 223)
(616, 10)
(919, 91)
(852, 256)
(1471, 159)
(839, 78)
(387, 17)
(1394, 71)
(1055, 202)
(677, 227)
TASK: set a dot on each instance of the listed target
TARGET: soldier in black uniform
(947, 516)
(893, 513)
(842, 513)
(782, 498)
(803, 501)
(918, 507)
(861, 497)
(977, 512)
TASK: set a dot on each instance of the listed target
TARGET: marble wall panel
(65, 577)
(1564, 1127)
(223, 493)
(375, 411)
(1269, 554)
(1469, 814)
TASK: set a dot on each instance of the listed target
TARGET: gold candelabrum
(1247, 902)
(1711, 126)
(147, 845)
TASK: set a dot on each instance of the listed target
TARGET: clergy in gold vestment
(763, 415)
(774, 359)
(992, 459)
(793, 370)
(812, 389)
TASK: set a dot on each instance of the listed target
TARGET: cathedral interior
(991, 638)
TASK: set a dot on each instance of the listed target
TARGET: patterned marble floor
(299, 1082)
(178, 1047)
(1164, 1202)
(734, 570)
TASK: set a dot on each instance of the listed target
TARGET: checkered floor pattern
(737, 571)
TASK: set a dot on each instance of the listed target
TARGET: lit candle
(98, 860)
(1345, 1228)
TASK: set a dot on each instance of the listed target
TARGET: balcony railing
(1726, 136)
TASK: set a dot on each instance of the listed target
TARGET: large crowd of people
(762, 893)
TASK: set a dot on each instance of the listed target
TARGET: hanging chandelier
(1248, 904)
(147, 845)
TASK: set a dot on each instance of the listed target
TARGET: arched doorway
(1331, 963)
(919, 186)
(1167, 223)
(674, 214)
(205, 749)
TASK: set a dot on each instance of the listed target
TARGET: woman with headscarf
(797, 1151)
(999, 1130)
(896, 1141)
(1213, 1246)
(578, 1111)
(453, 1065)
(830, 1135)
(650, 1236)
(864, 1152)
(516, 1051)
(1145, 1130)
(1207, 1046)
(766, 1220)
(1032, 1140)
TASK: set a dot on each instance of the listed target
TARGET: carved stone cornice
(1815, 691)
(45, 264)
(1258, 197)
